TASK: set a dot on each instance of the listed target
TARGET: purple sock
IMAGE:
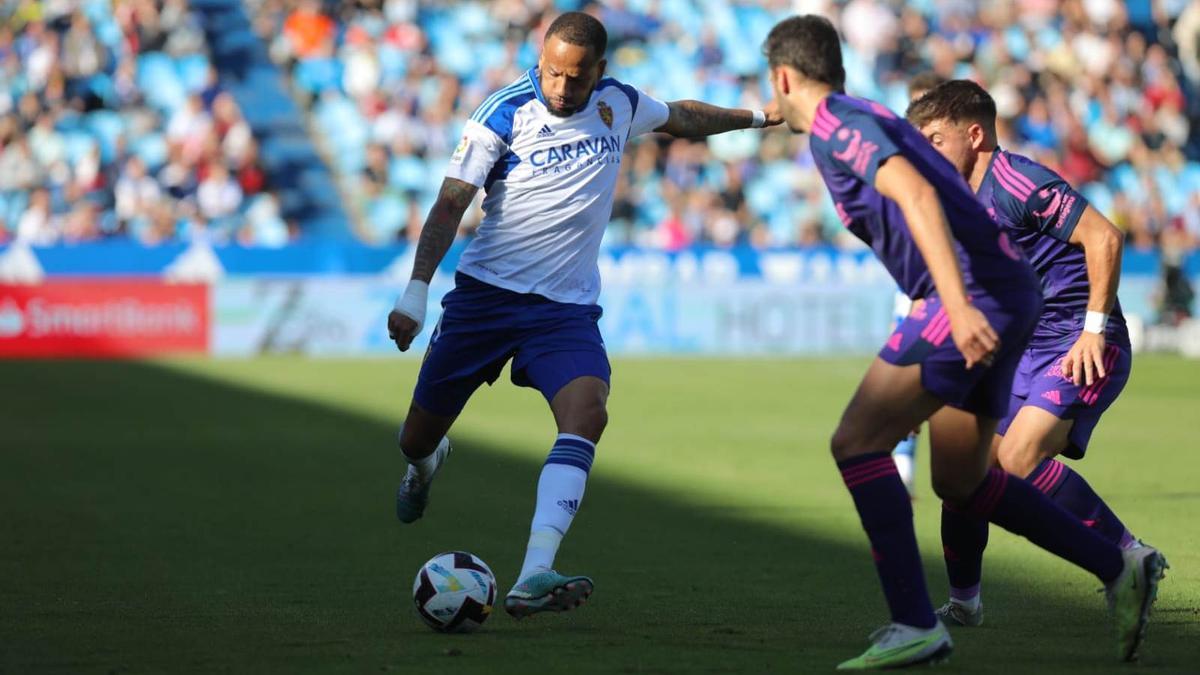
(1070, 491)
(964, 536)
(1020, 508)
(886, 514)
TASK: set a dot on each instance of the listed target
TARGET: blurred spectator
(308, 31)
(190, 127)
(136, 193)
(218, 196)
(36, 225)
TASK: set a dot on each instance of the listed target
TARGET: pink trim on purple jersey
(1022, 179)
(880, 109)
(1005, 181)
(1014, 183)
(1007, 246)
(841, 213)
(824, 122)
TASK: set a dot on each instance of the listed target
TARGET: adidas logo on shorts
(569, 505)
(545, 131)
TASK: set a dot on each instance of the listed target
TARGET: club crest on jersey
(606, 114)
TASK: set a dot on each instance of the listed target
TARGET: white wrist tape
(1094, 322)
(412, 303)
(760, 119)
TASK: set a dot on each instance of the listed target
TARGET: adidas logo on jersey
(569, 505)
(545, 131)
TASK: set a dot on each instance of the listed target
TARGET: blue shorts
(924, 338)
(483, 326)
(1040, 383)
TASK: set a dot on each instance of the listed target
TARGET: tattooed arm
(694, 119)
(406, 320)
(441, 226)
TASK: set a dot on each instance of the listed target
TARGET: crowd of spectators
(113, 124)
(1102, 90)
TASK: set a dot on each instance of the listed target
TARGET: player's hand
(1084, 363)
(974, 336)
(772, 112)
(402, 329)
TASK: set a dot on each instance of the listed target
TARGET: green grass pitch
(237, 516)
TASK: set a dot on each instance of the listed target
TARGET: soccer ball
(454, 592)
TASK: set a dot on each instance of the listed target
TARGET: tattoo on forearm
(441, 226)
(692, 119)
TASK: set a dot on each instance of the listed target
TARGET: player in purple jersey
(951, 362)
(1079, 358)
(905, 452)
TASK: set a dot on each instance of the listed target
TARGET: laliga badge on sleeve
(460, 152)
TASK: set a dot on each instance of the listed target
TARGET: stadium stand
(167, 120)
(1088, 87)
(114, 122)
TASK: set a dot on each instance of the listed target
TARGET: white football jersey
(548, 184)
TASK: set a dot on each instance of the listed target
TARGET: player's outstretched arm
(899, 181)
(441, 226)
(695, 119)
(1102, 244)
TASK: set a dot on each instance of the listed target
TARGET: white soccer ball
(454, 592)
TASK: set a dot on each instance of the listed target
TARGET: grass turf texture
(237, 516)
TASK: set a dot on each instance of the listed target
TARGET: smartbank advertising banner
(653, 303)
(94, 317)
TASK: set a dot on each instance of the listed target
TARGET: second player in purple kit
(953, 365)
(1079, 358)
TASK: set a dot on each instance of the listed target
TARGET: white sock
(425, 467)
(559, 495)
(971, 604)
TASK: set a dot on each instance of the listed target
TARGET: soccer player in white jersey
(546, 151)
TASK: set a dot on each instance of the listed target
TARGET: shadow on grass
(155, 521)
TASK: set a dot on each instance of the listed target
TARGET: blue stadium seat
(159, 81)
(193, 71)
(107, 126)
(316, 75)
(79, 144)
(386, 216)
(408, 173)
(152, 149)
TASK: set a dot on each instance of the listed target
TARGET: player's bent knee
(846, 444)
(957, 493)
(414, 444)
(953, 486)
(1020, 458)
(588, 421)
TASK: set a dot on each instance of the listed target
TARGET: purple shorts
(924, 338)
(1039, 382)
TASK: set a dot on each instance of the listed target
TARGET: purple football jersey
(1040, 211)
(851, 138)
